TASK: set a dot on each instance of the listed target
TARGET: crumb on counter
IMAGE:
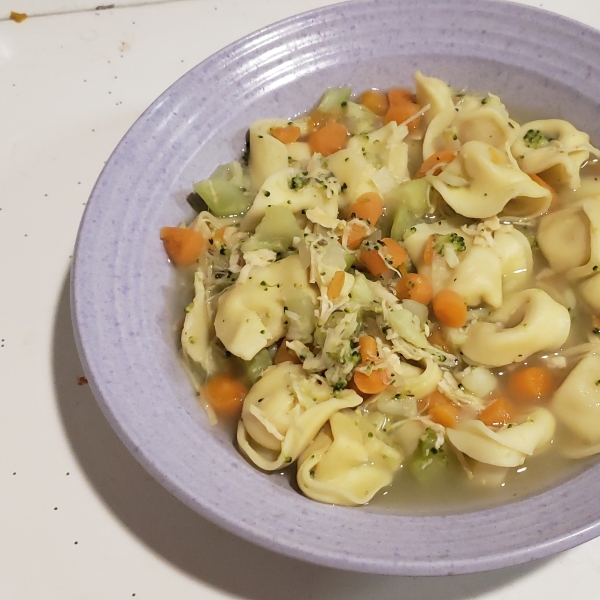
(17, 17)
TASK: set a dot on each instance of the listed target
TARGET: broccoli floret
(456, 241)
(534, 138)
(298, 182)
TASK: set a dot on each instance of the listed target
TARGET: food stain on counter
(17, 17)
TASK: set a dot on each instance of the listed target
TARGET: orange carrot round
(375, 101)
(444, 414)
(415, 287)
(356, 235)
(287, 135)
(402, 109)
(352, 386)
(368, 206)
(336, 284)
(439, 158)
(399, 96)
(329, 139)
(225, 394)
(395, 256)
(450, 308)
(183, 246)
(394, 253)
(367, 346)
(432, 399)
(371, 383)
(499, 413)
(371, 259)
(439, 408)
(284, 354)
(531, 383)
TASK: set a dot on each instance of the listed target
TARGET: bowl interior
(127, 299)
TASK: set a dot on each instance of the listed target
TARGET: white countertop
(79, 518)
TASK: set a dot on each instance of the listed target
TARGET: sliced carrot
(395, 256)
(367, 346)
(336, 284)
(356, 235)
(225, 394)
(329, 139)
(444, 414)
(531, 383)
(435, 398)
(394, 253)
(352, 386)
(375, 101)
(401, 112)
(183, 246)
(371, 383)
(439, 158)
(428, 251)
(287, 135)
(555, 201)
(284, 354)
(499, 413)
(368, 206)
(439, 408)
(371, 259)
(415, 287)
(450, 308)
(400, 96)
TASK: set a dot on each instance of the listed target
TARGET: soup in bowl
(377, 276)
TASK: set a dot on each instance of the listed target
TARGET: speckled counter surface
(79, 518)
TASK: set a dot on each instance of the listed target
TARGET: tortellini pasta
(570, 239)
(507, 447)
(483, 181)
(347, 466)
(553, 147)
(576, 403)
(376, 162)
(283, 413)
(528, 322)
(268, 155)
(479, 271)
(400, 286)
(251, 315)
(296, 190)
(472, 119)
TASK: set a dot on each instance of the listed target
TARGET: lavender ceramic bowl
(124, 291)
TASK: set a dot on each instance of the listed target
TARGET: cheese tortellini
(483, 181)
(399, 286)
(553, 147)
(576, 403)
(283, 413)
(347, 465)
(528, 322)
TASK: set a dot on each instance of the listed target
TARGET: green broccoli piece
(456, 241)
(534, 138)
